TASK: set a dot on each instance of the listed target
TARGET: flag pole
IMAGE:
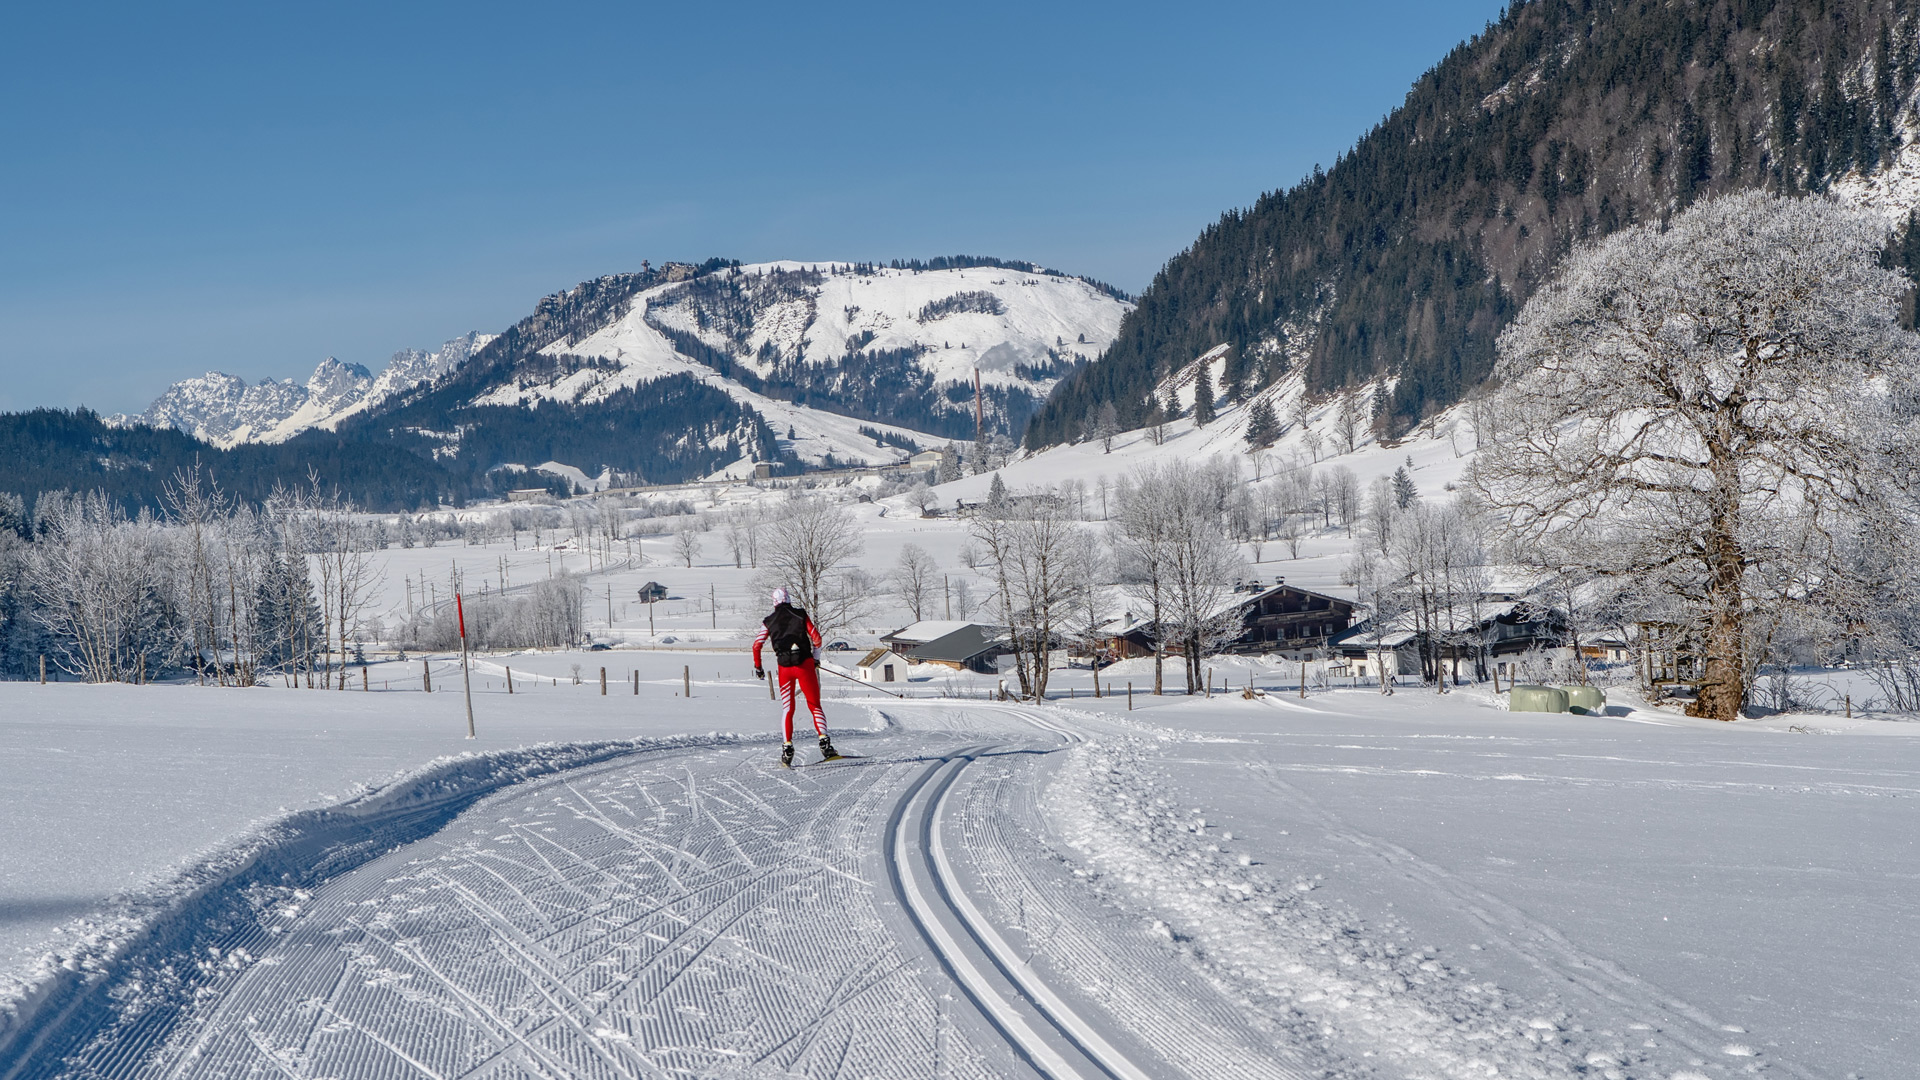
(466, 675)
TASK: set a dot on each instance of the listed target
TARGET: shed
(652, 591)
(882, 665)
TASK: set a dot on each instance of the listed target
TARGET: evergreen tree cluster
(972, 300)
(967, 262)
(1565, 121)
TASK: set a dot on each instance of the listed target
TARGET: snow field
(1645, 890)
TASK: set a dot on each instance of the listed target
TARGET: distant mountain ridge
(223, 410)
(1565, 121)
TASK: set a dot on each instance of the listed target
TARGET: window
(886, 673)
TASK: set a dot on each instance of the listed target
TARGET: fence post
(43, 669)
(1129, 695)
(686, 680)
(603, 682)
(1303, 678)
(143, 669)
(365, 683)
(1209, 682)
(636, 682)
(426, 675)
(509, 680)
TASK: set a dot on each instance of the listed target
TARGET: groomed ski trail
(699, 913)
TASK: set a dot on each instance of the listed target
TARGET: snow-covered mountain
(821, 351)
(222, 409)
(682, 371)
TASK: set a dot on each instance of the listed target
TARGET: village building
(963, 646)
(882, 666)
(1489, 637)
(1280, 618)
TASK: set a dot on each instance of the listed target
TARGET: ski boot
(786, 756)
(827, 752)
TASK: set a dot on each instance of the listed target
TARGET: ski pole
(851, 679)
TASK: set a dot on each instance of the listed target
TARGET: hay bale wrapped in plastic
(1525, 698)
(1586, 699)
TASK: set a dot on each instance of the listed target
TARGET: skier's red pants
(809, 681)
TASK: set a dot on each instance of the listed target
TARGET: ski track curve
(700, 912)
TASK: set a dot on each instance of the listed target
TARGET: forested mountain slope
(132, 464)
(1564, 121)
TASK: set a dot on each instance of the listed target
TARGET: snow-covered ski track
(699, 916)
(696, 912)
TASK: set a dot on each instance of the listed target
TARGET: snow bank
(1287, 957)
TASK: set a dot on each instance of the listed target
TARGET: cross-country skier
(794, 641)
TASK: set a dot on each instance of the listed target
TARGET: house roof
(1463, 618)
(873, 657)
(1240, 600)
(922, 632)
(960, 646)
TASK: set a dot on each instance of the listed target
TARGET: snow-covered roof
(922, 632)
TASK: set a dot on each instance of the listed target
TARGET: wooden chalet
(1280, 618)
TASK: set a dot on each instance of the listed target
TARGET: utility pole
(946, 590)
(713, 606)
(609, 609)
(466, 675)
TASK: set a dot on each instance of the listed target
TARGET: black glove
(759, 673)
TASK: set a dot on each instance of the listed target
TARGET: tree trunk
(1723, 676)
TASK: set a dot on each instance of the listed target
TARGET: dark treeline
(56, 449)
(1563, 122)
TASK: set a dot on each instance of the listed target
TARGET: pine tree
(997, 493)
(1404, 493)
(1203, 396)
(1262, 426)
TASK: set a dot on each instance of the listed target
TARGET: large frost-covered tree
(1716, 410)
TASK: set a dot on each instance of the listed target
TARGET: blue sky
(251, 188)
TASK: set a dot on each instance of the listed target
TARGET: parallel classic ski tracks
(1042, 1027)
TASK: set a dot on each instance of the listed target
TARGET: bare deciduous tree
(807, 541)
(913, 578)
(686, 540)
